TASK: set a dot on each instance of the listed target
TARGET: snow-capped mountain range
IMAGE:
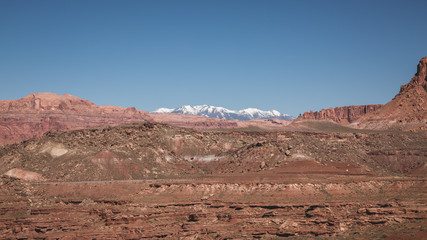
(220, 112)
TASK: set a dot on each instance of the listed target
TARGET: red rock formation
(407, 110)
(38, 113)
(419, 80)
(176, 210)
(342, 115)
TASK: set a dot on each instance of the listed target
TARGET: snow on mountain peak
(220, 112)
(277, 113)
(164, 110)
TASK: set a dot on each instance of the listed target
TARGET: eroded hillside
(151, 150)
(150, 180)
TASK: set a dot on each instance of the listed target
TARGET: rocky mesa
(38, 113)
(343, 115)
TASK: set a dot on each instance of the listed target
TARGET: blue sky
(292, 56)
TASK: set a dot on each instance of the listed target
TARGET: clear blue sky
(288, 55)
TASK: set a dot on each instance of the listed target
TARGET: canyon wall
(342, 115)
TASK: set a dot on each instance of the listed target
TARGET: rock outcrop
(38, 113)
(177, 210)
(407, 110)
(24, 175)
(343, 115)
(154, 150)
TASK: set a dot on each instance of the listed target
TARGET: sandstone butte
(406, 111)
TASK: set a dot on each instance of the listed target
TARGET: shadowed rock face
(38, 113)
(343, 115)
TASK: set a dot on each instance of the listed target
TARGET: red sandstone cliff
(343, 115)
(38, 113)
(407, 110)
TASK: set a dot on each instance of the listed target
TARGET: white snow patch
(220, 112)
(163, 110)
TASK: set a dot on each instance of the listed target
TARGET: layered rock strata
(343, 115)
(38, 113)
(97, 210)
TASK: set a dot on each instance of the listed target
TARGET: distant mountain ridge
(224, 113)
